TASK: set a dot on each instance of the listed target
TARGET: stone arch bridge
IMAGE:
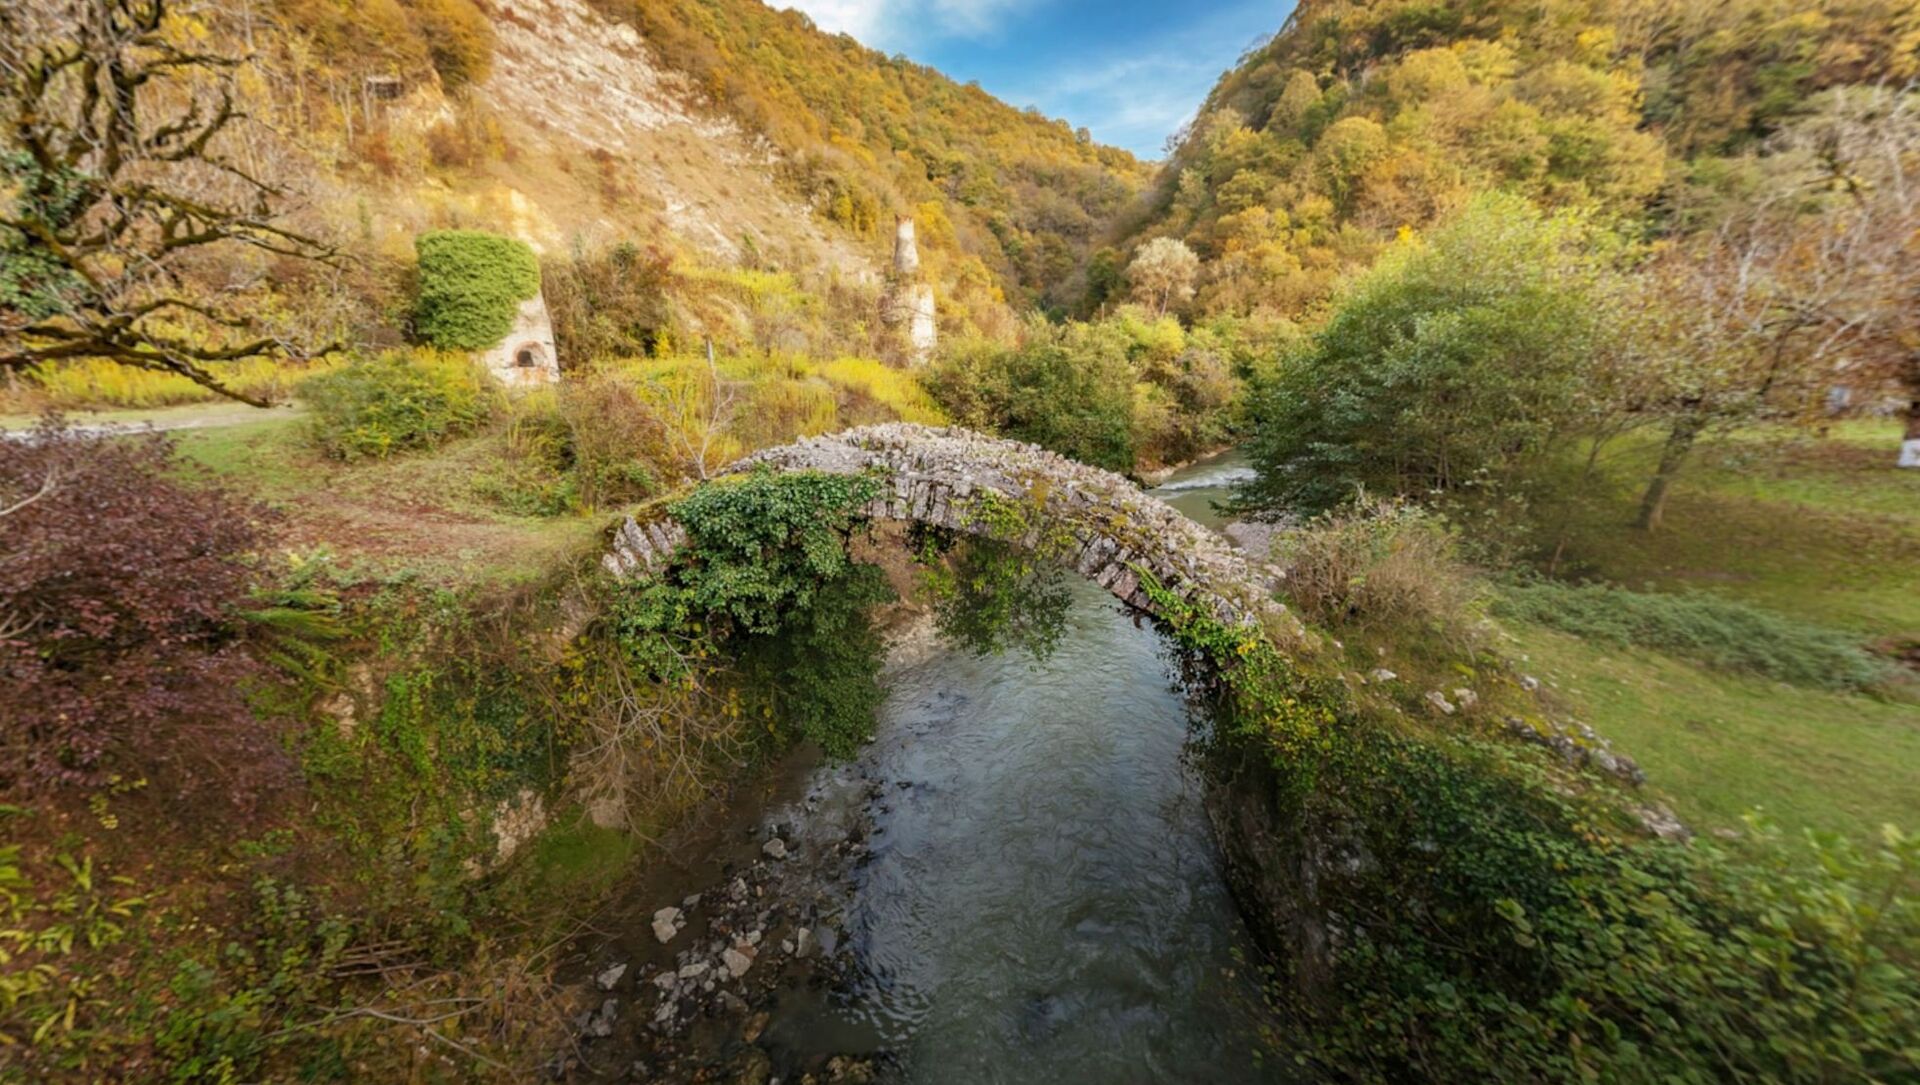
(937, 476)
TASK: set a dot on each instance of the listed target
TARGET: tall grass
(1718, 632)
(749, 401)
(97, 384)
(1382, 564)
(894, 389)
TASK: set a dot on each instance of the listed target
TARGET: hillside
(735, 134)
(1358, 122)
(1025, 194)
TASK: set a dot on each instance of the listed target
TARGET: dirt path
(215, 415)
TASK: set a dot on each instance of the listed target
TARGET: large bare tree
(1856, 269)
(136, 223)
(1811, 282)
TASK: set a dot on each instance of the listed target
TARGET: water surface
(1044, 902)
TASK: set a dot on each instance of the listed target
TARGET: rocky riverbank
(682, 985)
(683, 992)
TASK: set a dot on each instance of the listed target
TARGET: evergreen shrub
(471, 285)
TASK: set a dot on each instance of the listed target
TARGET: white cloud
(1138, 93)
(892, 24)
(1132, 89)
(970, 18)
(856, 17)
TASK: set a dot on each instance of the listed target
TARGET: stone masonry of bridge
(935, 475)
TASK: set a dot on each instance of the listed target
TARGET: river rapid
(1020, 882)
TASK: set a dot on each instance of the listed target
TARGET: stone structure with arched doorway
(526, 357)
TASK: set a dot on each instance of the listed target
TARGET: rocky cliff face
(577, 138)
(1280, 865)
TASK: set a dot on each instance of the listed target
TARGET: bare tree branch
(117, 192)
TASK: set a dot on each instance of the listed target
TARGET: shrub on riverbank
(1379, 563)
(767, 575)
(1450, 907)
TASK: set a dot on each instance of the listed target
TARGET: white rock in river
(737, 962)
(694, 971)
(775, 848)
(610, 977)
(667, 923)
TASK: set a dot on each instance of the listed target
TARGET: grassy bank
(1823, 531)
(1719, 744)
(412, 515)
(1827, 530)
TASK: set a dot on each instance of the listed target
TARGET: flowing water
(1044, 902)
(1194, 490)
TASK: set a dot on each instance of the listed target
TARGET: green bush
(1470, 916)
(766, 577)
(1719, 632)
(610, 303)
(1379, 563)
(1063, 389)
(394, 403)
(471, 286)
(1450, 366)
(991, 595)
(589, 444)
(1523, 944)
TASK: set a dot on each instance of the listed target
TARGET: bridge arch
(941, 476)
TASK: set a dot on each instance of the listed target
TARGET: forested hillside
(868, 134)
(1008, 202)
(1359, 121)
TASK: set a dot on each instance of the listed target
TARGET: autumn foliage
(118, 649)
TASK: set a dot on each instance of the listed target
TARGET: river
(1040, 899)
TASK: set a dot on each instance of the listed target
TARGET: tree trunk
(1680, 440)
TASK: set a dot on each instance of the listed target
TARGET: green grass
(1719, 744)
(1827, 531)
(1824, 531)
(576, 861)
(1724, 633)
(418, 515)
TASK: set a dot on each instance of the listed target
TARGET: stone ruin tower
(907, 305)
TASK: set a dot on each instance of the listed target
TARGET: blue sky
(1132, 71)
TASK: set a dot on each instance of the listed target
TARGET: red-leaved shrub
(118, 649)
